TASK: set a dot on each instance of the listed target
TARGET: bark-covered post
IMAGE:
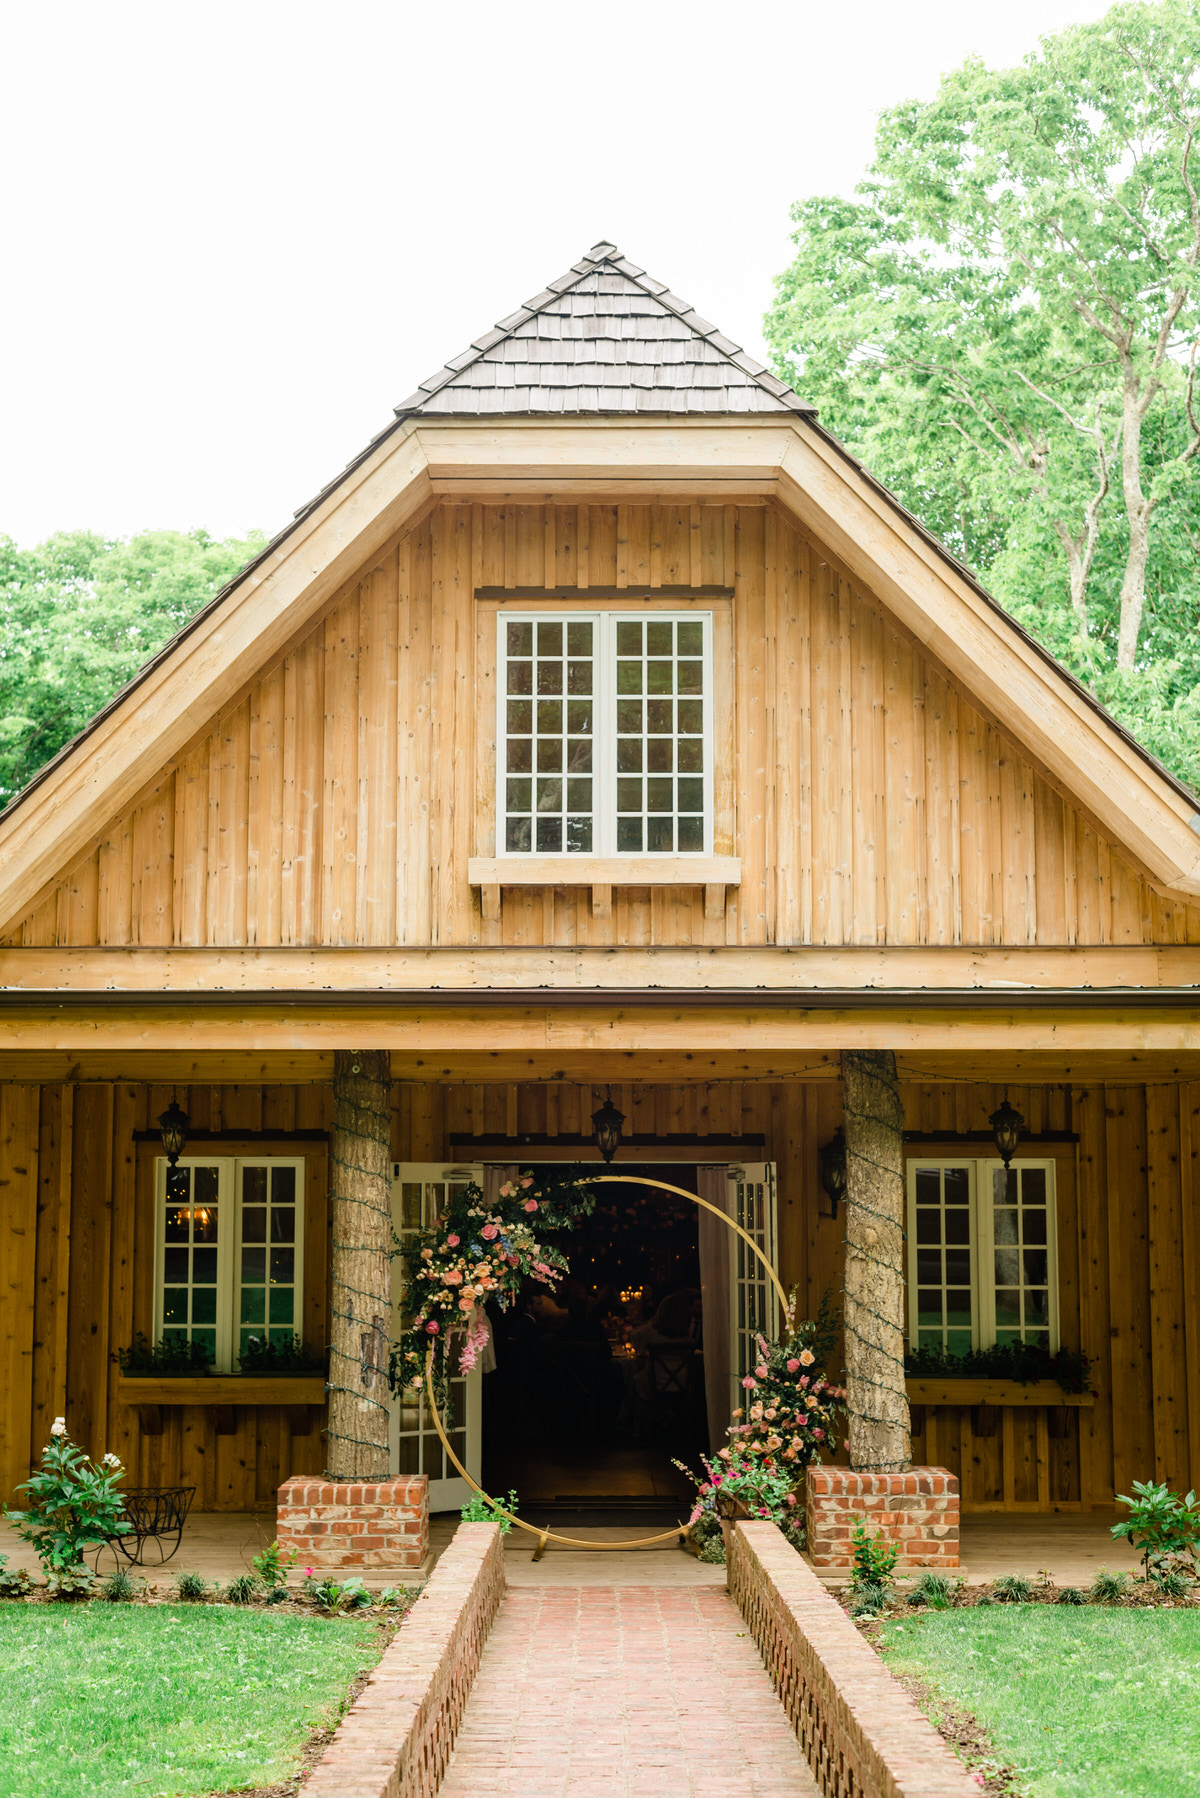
(361, 1278)
(880, 1439)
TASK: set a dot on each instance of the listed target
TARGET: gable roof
(605, 339)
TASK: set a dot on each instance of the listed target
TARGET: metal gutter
(756, 999)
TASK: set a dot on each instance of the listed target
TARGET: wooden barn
(603, 729)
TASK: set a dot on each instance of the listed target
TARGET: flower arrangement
(790, 1417)
(763, 1491)
(475, 1254)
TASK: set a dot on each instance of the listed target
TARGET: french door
(753, 1306)
(419, 1195)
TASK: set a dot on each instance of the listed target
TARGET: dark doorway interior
(599, 1382)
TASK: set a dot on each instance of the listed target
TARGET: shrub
(334, 1596)
(191, 1587)
(479, 1508)
(1162, 1527)
(272, 1564)
(1107, 1587)
(174, 1355)
(1013, 1588)
(874, 1559)
(1070, 1595)
(120, 1587)
(74, 1505)
(934, 1590)
(242, 1590)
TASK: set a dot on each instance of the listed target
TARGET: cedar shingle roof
(604, 338)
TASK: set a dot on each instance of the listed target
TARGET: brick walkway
(587, 1692)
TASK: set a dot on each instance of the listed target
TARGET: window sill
(715, 873)
(1003, 1394)
(222, 1394)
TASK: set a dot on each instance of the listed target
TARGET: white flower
(59, 1427)
(112, 1460)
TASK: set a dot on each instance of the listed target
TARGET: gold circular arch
(545, 1536)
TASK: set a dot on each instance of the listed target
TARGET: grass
(1079, 1702)
(163, 1700)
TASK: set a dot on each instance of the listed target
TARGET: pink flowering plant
(473, 1255)
(790, 1415)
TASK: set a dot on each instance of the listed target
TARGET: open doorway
(599, 1386)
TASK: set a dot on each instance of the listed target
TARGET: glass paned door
(419, 1192)
(754, 1309)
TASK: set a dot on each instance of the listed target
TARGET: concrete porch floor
(220, 1545)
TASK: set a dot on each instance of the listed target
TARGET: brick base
(376, 1531)
(917, 1510)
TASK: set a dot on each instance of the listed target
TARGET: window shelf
(1002, 1394)
(715, 873)
(222, 1394)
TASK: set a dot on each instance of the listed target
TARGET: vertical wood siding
(339, 799)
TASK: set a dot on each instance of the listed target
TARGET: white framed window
(605, 733)
(229, 1252)
(982, 1254)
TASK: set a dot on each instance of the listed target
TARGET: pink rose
(452, 1242)
(749, 1384)
(512, 1260)
(527, 1180)
(432, 1327)
(506, 1191)
(761, 1372)
(489, 1232)
(531, 1204)
(466, 1304)
(452, 1277)
(793, 1366)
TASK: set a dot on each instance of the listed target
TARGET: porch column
(880, 1439)
(360, 1208)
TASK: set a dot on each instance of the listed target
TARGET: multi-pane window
(605, 734)
(982, 1262)
(229, 1253)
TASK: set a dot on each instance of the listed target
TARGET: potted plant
(172, 1358)
(260, 1355)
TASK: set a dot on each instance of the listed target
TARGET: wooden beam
(610, 870)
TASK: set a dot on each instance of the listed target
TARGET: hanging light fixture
(832, 1160)
(1007, 1126)
(174, 1126)
(606, 1127)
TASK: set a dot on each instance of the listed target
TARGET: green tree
(79, 615)
(1003, 323)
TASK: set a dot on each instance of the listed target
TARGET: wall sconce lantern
(606, 1127)
(832, 1161)
(1007, 1126)
(174, 1126)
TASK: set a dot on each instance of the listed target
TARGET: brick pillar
(917, 1510)
(378, 1530)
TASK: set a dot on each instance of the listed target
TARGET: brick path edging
(396, 1738)
(861, 1732)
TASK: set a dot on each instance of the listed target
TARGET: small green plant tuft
(712, 1553)
(262, 1355)
(1171, 1583)
(272, 1564)
(1013, 1588)
(987, 1598)
(242, 1590)
(1107, 1587)
(14, 1581)
(277, 1595)
(1070, 1595)
(874, 1560)
(479, 1508)
(392, 1597)
(335, 1596)
(934, 1590)
(868, 1599)
(191, 1587)
(120, 1587)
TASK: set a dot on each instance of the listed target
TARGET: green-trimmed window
(229, 1258)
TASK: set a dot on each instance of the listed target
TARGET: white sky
(238, 234)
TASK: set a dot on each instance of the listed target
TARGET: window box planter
(1001, 1393)
(221, 1394)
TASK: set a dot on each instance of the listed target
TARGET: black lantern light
(606, 1126)
(174, 1126)
(1007, 1125)
(832, 1159)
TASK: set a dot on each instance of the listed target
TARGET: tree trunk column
(874, 1286)
(361, 1277)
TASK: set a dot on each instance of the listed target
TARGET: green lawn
(163, 1700)
(1080, 1701)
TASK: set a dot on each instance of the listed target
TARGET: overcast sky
(238, 234)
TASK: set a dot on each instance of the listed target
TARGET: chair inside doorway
(599, 1382)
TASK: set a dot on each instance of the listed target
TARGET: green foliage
(74, 1506)
(272, 1563)
(999, 323)
(334, 1596)
(874, 1558)
(1107, 1587)
(1171, 1583)
(1162, 1527)
(14, 1581)
(868, 1598)
(1070, 1595)
(1013, 1588)
(120, 1587)
(104, 1699)
(713, 1551)
(79, 615)
(396, 1597)
(191, 1587)
(1017, 1361)
(791, 1411)
(933, 1590)
(243, 1589)
(261, 1355)
(479, 1508)
(175, 1355)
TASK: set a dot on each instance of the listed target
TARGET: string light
(892, 1236)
